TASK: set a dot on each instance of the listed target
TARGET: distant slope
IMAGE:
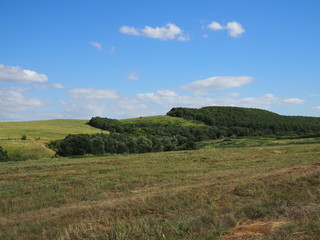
(163, 119)
(46, 129)
(250, 121)
(38, 134)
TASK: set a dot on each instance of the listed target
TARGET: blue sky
(120, 59)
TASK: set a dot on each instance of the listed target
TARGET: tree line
(136, 137)
(145, 136)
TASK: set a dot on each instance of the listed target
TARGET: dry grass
(203, 194)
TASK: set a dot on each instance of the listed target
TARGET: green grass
(38, 133)
(211, 193)
(45, 130)
(163, 119)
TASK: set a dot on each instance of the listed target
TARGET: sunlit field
(38, 133)
(268, 192)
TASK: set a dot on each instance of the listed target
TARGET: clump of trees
(3, 155)
(98, 144)
(137, 137)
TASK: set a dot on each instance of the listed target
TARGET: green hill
(180, 129)
(183, 129)
(45, 129)
(38, 133)
(162, 119)
(250, 121)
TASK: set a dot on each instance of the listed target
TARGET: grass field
(240, 142)
(163, 119)
(38, 133)
(263, 192)
(45, 130)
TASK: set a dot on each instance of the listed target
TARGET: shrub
(24, 137)
(3, 155)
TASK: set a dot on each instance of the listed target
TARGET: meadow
(248, 192)
(38, 133)
(163, 119)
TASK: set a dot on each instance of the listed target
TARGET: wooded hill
(207, 123)
(250, 121)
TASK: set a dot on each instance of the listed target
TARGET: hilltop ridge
(250, 121)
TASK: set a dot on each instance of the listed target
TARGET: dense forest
(220, 122)
(250, 121)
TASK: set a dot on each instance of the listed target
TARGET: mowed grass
(38, 134)
(233, 193)
(257, 141)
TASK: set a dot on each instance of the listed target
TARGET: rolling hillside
(177, 130)
(252, 187)
(250, 121)
(41, 132)
(45, 130)
(38, 134)
(162, 119)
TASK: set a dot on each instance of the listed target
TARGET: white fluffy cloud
(79, 110)
(170, 99)
(14, 105)
(131, 107)
(234, 29)
(130, 31)
(15, 74)
(46, 87)
(90, 93)
(169, 32)
(216, 83)
(88, 102)
(96, 45)
(163, 96)
(215, 26)
(316, 108)
(293, 101)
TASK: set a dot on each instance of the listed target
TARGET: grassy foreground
(268, 192)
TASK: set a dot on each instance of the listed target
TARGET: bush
(24, 137)
(3, 155)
